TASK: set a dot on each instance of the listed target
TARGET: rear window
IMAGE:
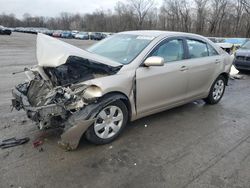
(197, 48)
(211, 50)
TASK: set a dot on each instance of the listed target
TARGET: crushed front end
(57, 97)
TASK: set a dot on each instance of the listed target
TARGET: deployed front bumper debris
(11, 142)
(79, 122)
(68, 110)
(39, 114)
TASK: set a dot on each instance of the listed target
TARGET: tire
(217, 90)
(105, 129)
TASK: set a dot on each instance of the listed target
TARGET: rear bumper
(242, 65)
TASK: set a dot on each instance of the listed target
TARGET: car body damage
(52, 52)
(56, 93)
(122, 78)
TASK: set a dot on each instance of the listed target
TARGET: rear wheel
(110, 122)
(216, 91)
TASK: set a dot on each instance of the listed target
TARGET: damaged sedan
(127, 76)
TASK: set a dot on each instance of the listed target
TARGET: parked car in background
(242, 57)
(74, 32)
(96, 36)
(104, 35)
(221, 42)
(237, 42)
(228, 47)
(82, 35)
(127, 76)
(57, 33)
(4, 30)
(66, 34)
(49, 32)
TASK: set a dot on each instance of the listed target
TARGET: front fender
(80, 121)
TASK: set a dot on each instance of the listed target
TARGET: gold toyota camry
(129, 75)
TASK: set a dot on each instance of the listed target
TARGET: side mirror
(154, 61)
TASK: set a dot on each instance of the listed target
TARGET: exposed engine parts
(49, 102)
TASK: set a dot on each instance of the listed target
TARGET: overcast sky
(54, 7)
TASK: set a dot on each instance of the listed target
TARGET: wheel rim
(218, 89)
(108, 122)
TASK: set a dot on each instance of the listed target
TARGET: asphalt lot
(195, 145)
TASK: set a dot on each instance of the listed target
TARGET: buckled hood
(52, 52)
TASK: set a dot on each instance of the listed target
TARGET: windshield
(122, 48)
(246, 45)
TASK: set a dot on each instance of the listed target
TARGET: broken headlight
(92, 92)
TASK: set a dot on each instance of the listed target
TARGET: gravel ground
(195, 145)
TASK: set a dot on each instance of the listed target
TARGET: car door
(159, 87)
(203, 65)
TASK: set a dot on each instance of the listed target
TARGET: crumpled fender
(79, 122)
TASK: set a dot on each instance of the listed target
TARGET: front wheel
(109, 123)
(216, 91)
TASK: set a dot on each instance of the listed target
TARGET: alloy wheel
(108, 122)
(218, 89)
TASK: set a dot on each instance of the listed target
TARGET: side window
(197, 48)
(171, 50)
(211, 50)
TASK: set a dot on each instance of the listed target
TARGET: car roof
(164, 34)
(157, 33)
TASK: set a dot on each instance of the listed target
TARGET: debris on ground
(11, 142)
(145, 125)
(21, 155)
(37, 143)
(6, 126)
(6, 155)
(23, 121)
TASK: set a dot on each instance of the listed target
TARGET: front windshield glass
(246, 45)
(122, 48)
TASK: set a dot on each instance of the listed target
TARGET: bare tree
(217, 13)
(246, 4)
(172, 13)
(125, 17)
(201, 15)
(141, 9)
(239, 6)
(206, 17)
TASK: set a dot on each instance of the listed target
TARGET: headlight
(92, 92)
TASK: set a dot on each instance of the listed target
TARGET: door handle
(217, 61)
(183, 68)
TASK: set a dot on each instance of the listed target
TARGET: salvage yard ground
(195, 145)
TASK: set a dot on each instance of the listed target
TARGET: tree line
(228, 18)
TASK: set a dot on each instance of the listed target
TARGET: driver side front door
(164, 86)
